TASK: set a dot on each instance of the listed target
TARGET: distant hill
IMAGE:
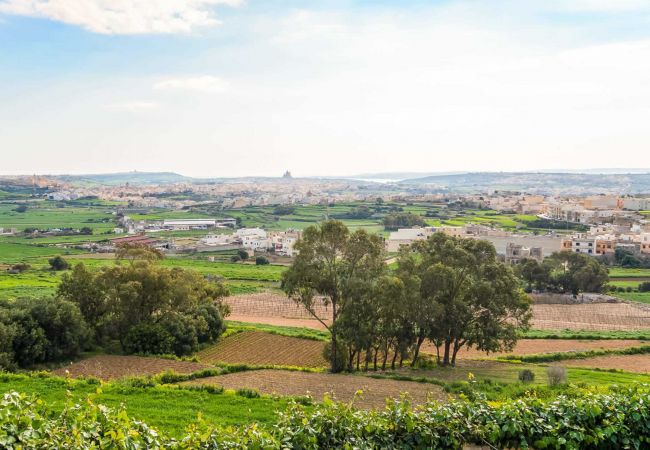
(538, 182)
(125, 177)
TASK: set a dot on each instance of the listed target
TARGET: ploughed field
(109, 367)
(593, 316)
(631, 363)
(340, 387)
(260, 348)
(276, 309)
(536, 346)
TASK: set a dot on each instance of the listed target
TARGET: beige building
(516, 253)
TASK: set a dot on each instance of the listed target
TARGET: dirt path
(341, 387)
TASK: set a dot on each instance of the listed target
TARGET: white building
(197, 224)
(253, 238)
(406, 236)
(636, 204)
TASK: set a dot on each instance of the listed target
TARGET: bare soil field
(276, 309)
(258, 347)
(110, 367)
(340, 387)
(267, 304)
(278, 321)
(597, 316)
(535, 346)
(631, 363)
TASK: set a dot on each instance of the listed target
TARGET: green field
(168, 408)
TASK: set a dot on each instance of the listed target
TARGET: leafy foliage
(147, 307)
(620, 419)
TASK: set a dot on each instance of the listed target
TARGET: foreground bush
(600, 421)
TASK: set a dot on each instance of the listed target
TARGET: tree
(243, 254)
(86, 230)
(21, 208)
(58, 263)
(42, 330)
(467, 296)
(261, 261)
(575, 273)
(128, 302)
(335, 264)
(394, 221)
(134, 252)
(536, 275)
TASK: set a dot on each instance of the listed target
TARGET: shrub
(43, 330)
(248, 393)
(261, 261)
(341, 352)
(556, 375)
(148, 338)
(235, 258)
(58, 263)
(644, 287)
(243, 254)
(618, 419)
(526, 376)
(628, 289)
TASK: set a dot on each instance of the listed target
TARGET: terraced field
(340, 387)
(260, 348)
(598, 316)
(630, 363)
(109, 367)
(536, 346)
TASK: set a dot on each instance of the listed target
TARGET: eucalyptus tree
(336, 265)
(466, 297)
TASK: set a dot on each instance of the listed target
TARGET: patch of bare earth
(338, 386)
(535, 346)
(109, 367)
(631, 363)
(260, 348)
(595, 316)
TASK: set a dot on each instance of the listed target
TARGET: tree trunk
(401, 360)
(384, 357)
(333, 366)
(375, 359)
(333, 332)
(358, 359)
(350, 360)
(445, 358)
(416, 352)
(392, 363)
(456, 348)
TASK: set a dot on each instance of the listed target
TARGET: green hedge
(620, 419)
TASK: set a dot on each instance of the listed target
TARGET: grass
(299, 332)
(642, 297)
(622, 272)
(168, 408)
(586, 334)
(560, 356)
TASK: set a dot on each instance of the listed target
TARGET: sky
(213, 88)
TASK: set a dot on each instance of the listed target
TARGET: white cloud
(205, 83)
(122, 16)
(134, 106)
